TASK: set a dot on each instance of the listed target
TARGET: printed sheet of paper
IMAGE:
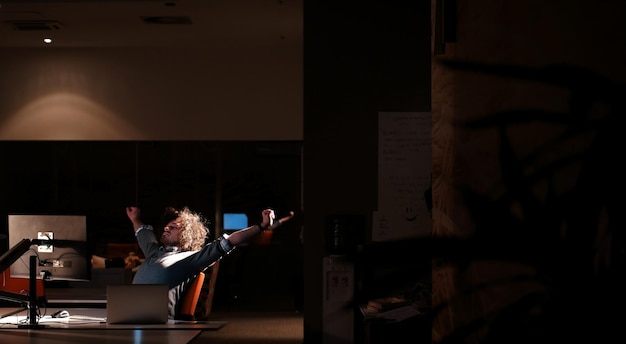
(404, 175)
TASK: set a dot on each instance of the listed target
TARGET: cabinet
(393, 269)
(414, 330)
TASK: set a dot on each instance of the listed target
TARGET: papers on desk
(72, 320)
(392, 315)
(91, 319)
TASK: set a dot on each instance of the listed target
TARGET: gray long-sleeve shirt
(173, 267)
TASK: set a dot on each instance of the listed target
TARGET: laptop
(137, 304)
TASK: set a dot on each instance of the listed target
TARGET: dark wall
(358, 60)
(100, 178)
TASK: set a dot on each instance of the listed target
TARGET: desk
(87, 325)
(56, 336)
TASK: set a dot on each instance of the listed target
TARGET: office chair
(198, 299)
(190, 300)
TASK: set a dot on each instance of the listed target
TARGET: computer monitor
(60, 246)
(235, 221)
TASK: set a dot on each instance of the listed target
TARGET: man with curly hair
(185, 249)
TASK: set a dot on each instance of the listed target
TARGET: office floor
(258, 327)
(256, 313)
(260, 318)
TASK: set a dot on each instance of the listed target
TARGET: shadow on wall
(549, 260)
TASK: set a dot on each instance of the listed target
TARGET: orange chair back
(198, 299)
(192, 295)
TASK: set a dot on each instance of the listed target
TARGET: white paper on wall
(404, 175)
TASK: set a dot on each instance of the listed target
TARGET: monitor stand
(32, 303)
(8, 258)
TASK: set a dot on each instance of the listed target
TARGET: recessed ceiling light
(47, 40)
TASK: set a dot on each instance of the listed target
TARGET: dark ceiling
(117, 23)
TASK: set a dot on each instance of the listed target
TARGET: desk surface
(86, 325)
(47, 336)
(90, 296)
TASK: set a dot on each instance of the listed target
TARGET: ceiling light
(47, 40)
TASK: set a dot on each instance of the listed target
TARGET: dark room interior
(514, 237)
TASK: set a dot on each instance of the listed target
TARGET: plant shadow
(560, 254)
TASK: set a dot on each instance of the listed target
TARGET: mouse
(62, 313)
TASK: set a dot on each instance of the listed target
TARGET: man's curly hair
(194, 229)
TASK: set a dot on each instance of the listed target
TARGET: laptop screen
(137, 304)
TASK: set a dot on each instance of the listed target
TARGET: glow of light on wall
(66, 116)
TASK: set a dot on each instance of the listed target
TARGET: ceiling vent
(167, 20)
(36, 25)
